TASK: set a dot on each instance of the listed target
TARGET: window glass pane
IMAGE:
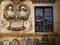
(43, 19)
(39, 28)
(39, 25)
(49, 19)
(48, 12)
(48, 24)
(39, 11)
(40, 21)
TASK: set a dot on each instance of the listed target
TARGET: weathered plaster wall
(57, 20)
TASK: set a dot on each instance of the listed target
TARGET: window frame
(44, 5)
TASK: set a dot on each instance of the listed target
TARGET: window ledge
(29, 34)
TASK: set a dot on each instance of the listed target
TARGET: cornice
(30, 0)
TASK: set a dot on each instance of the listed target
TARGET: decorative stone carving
(6, 42)
(3, 23)
(16, 15)
(24, 11)
(9, 11)
(16, 25)
(26, 41)
(15, 42)
(17, 1)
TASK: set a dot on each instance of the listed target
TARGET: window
(44, 19)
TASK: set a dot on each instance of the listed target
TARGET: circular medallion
(24, 11)
(6, 42)
(26, 41)
(15, 42)
(9, 11)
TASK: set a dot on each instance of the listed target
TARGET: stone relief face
(10, 11)
(23, 11)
